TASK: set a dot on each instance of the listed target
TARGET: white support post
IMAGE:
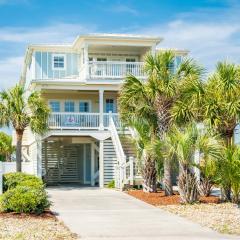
(86, 61)
(1, 178)
(131, 160)
(101, 165)
(101, 125)
(39, 157)
(92, 165)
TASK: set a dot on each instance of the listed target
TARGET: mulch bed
(159, 198)
(45, 214)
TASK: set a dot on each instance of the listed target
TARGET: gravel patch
(29, 227)
(224, 217)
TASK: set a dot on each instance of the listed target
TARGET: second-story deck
(115, 70)
(82, 121)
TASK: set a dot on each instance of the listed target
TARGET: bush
(25, 199)
(12, 180)
(111, 184)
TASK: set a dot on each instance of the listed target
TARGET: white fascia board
(183, 52)
(75, 86)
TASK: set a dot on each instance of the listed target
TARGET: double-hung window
(84, 106)
(55, 106)
(69, 106)
(109, 105)
(59, 62)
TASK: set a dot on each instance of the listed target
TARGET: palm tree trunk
(19, 135)
(168, 178)
(226, 193)
(149, 175)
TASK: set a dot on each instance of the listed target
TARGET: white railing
(114, 69)
(115, 117)
(72, 120)
(121, 158)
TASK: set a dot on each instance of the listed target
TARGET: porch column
(92, 165)
(39, 158)
(101, 164)
(101, 125)
(85, 60)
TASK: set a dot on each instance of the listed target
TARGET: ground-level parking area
(95, 213)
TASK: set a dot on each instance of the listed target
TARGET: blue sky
(210, 29)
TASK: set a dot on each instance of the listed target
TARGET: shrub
(24, 199)
(111, 184)
(12, 180)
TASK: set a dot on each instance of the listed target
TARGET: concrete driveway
(95, 213)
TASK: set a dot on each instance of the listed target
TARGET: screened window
(84, 106)
(101, 59)
(109, 105)
(55, 106)
(58, 62)
(69, 106)
(130, 60)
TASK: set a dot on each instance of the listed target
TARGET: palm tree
(146, 155)
(182, 143)
(228, 171)
(153, 99)
(21, 111)
(216, 103)
(6, 148)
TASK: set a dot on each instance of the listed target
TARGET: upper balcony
(112, 69)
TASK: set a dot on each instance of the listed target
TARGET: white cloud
(10, 69)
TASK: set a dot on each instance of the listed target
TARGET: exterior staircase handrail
(121, 158)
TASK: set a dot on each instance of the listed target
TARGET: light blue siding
(44, 70)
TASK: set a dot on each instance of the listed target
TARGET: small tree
(228, 172)
(6, 148)
(182, 143)
(21, 111)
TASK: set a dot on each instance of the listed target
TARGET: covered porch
(79, 109)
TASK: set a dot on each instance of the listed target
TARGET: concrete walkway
(95, 213)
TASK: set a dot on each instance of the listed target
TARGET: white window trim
(59, 55)
(89, 102)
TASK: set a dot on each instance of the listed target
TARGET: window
(130, 60)
(90, 59)
(55, 106)
(101, 59)
(58, 62)
(130, 67)
(69, 106)
(109, 105)
(84, 106)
